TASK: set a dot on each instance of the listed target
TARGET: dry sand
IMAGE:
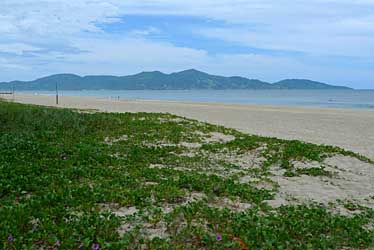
(349, 129)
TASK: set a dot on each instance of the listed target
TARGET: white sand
(349, 129)
(352, 180)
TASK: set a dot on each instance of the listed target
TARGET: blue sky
(325, 40)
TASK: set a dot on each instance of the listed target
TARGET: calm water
(352, 99)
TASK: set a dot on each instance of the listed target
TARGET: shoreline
(212, 103)
(350, 129)
(203, 99)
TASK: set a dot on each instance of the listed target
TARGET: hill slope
(188, 79)
(303, 84)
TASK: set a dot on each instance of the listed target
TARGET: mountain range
(156, 80)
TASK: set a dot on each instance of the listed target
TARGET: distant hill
(304, 84)
(188, 79)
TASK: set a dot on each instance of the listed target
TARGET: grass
(58, 167)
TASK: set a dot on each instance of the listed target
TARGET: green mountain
(304, 84)
(188, 79)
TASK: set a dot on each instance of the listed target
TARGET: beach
(350, 129)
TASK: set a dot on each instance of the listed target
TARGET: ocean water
(346, 99)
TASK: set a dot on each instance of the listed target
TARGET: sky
(325, 40)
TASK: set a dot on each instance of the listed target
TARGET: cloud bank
(330, 40)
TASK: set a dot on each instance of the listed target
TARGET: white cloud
(136, 51)
(6, 65)
(54, 17)
(17, 48)
(145, 32)
(344, 28)
(312, 43)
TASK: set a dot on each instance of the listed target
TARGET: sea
(344, 99)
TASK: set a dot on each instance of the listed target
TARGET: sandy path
(350, 129)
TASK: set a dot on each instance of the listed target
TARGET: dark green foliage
(304, 84)
(297, 227)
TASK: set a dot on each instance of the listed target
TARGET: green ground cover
(73, 179)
